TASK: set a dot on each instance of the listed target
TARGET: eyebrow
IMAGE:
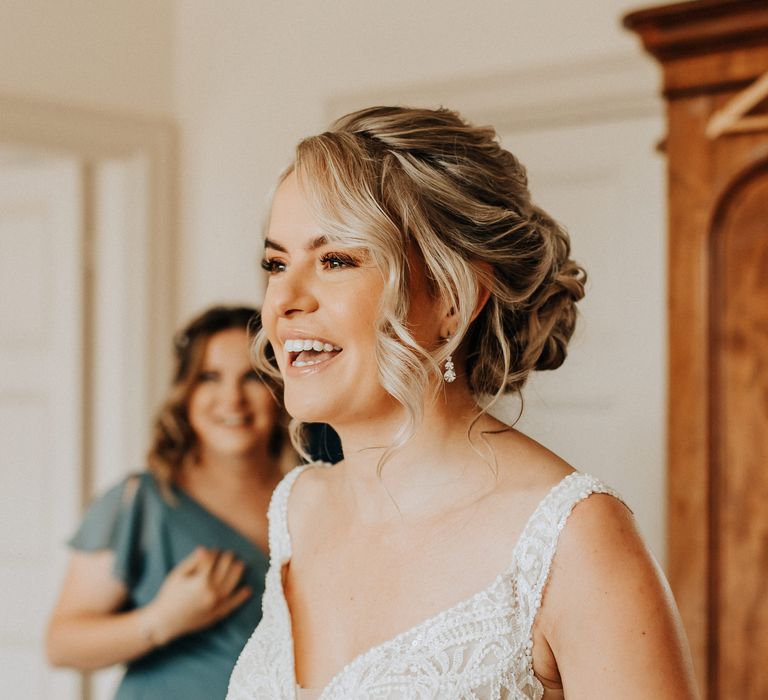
(314, 244)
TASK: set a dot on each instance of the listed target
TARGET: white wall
(104, 54)
(254, 77)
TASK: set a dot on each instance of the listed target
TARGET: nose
(232, 392)
(291, 294)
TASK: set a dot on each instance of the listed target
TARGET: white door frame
(129, 167)
(96, 138)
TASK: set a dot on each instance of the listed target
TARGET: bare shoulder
(606, 586)
(602, 545)
(603, 518)
(311, 494)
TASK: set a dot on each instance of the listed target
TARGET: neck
(254, 468)
(437, 464)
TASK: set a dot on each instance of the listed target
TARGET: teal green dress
(149, 537)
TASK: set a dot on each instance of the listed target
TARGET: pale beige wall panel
(41, 395)
(252, 78)
(107, 54)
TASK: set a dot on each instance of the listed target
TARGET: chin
(310, 410)
(336, 410)
(234, 451)
(307, 414)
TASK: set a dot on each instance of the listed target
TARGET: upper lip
(224, 417)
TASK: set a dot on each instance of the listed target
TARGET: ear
(450, 320)
(484, 281)
(449, 323)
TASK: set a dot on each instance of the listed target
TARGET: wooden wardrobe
(714, 60)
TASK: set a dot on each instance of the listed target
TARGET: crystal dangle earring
(449, 375)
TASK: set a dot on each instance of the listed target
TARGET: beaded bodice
(479, 649)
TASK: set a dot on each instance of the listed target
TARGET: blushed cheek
(270, 413)
(264, 405)
(195, 405)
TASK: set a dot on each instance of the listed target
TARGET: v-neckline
(223, 523)
(414, 629)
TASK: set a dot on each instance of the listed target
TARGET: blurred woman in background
(167, 569)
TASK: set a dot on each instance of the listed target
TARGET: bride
(412, 282)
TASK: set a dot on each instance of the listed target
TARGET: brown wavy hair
(174, 440)
(399, 179)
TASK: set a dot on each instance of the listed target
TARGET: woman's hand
(88, 629)
(201, 590)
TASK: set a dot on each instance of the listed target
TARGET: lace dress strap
(279, 539)
(536, 549)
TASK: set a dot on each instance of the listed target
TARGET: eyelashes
(337, 261)
(330, 261)
(272, 265)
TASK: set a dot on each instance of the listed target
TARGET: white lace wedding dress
(479, 649)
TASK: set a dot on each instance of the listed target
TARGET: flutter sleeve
(114, 521)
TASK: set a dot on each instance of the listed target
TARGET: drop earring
(449, 375)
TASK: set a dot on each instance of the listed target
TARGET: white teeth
(299, 345)
(234, 420)
(300, 363)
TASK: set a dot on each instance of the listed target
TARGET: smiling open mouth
(308, 352)
(235, 420)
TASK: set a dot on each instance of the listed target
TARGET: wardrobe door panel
(739, 412)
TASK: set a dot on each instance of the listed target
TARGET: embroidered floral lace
(479, 649)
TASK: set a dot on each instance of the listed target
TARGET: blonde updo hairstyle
(397, 180)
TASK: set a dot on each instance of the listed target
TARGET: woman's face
(230, 410)
(325, 298)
